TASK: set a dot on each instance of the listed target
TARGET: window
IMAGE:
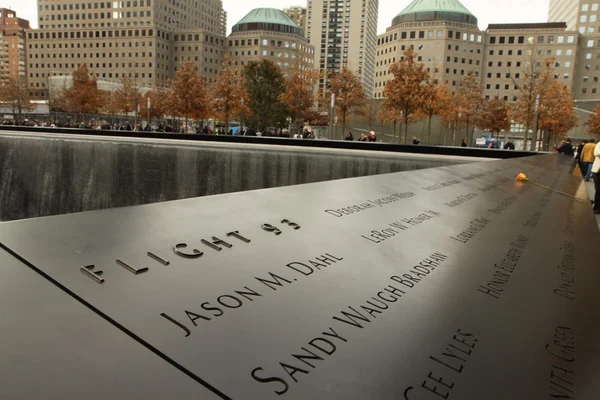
(521, 39)
(584, 7)
(569, 52)
(588, 56)
(571, 39)
(590, 43)
(583, 18)
(560, 39)
(566, 76)
(492, 39)
(559, 52)
(550, 39)
(540, 40)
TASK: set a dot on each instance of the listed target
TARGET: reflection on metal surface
(130, 268)
(197, 253)
(158, 258)
(89, 271)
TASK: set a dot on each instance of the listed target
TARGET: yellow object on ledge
(523, 178)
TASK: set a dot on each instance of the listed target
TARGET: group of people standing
(587, 155)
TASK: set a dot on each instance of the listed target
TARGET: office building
(445, 36)
(268, 33)
(344, 33)
(298, 15)
(13, 50)
(142, 39)
(564, 11)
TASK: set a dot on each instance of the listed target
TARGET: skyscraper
(12, 45)
(141, 39)
(298, 15)
(564, 11)
(344, 33)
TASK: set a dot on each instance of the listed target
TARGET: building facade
(563, 11)
(13, 48)
(450, 44)
(269, 34)
(298, 15)
(141, 39)
(446, 39)
(344, 33)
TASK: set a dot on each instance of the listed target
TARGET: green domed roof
(431, 10)
(270, 19)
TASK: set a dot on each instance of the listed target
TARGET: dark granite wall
(46, 174)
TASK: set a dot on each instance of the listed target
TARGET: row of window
(90, 34)
(431, 34)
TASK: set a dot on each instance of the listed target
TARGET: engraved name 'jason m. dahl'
(238, 298)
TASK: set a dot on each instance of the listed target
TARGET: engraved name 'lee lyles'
(97, 275)
(445, 367)
(562, 374)
(566, 286)
(289, 370)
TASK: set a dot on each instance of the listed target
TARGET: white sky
(487, 11)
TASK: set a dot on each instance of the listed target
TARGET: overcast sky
(487, 11)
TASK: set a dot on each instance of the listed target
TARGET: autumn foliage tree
(406, 91)
(469, 99)
(14, 95)
(349, 94)
(557, 113)
(83, 96)
(187, 96)
(158, 105)
(299, 94)
(127, 96)
(227, 93)
(264, 84)
(432, 102)
(494, 116)
(593, 123)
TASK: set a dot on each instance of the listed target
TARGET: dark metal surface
(469, 285)
(53, 347)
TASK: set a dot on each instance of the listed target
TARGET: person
(372, 137)
(493, 144)
(463, 143)
(565, 148)
(349, 136)
(363, 138)
(587, 158)
(509, 145)
(596, 175)
(578, 155)
(415, 140)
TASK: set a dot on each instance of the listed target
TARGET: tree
(14, 95)
(469, 99)
(83, 96)
(387, 113)
(593, 123)
(127, 96)
(434, 98)
(187, 95)
(158, 103)
(227, 93)
(556, 114)
(264, 83)
(536, 74)
(406, 91)
(368, 112)
(349, 93)
(494, 116)
(299, 94)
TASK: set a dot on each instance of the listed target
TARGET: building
(585, 88)
(298, 15)
(268, 33)
(13, 49)
(450, 44)
(509, 47)
(445, 36)
(141, 39)
(564, 11)
(344, 33)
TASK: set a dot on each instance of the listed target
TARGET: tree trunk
(405, 130)
(429, 131)
(343, 125)
(394, 132)
(454, 135)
